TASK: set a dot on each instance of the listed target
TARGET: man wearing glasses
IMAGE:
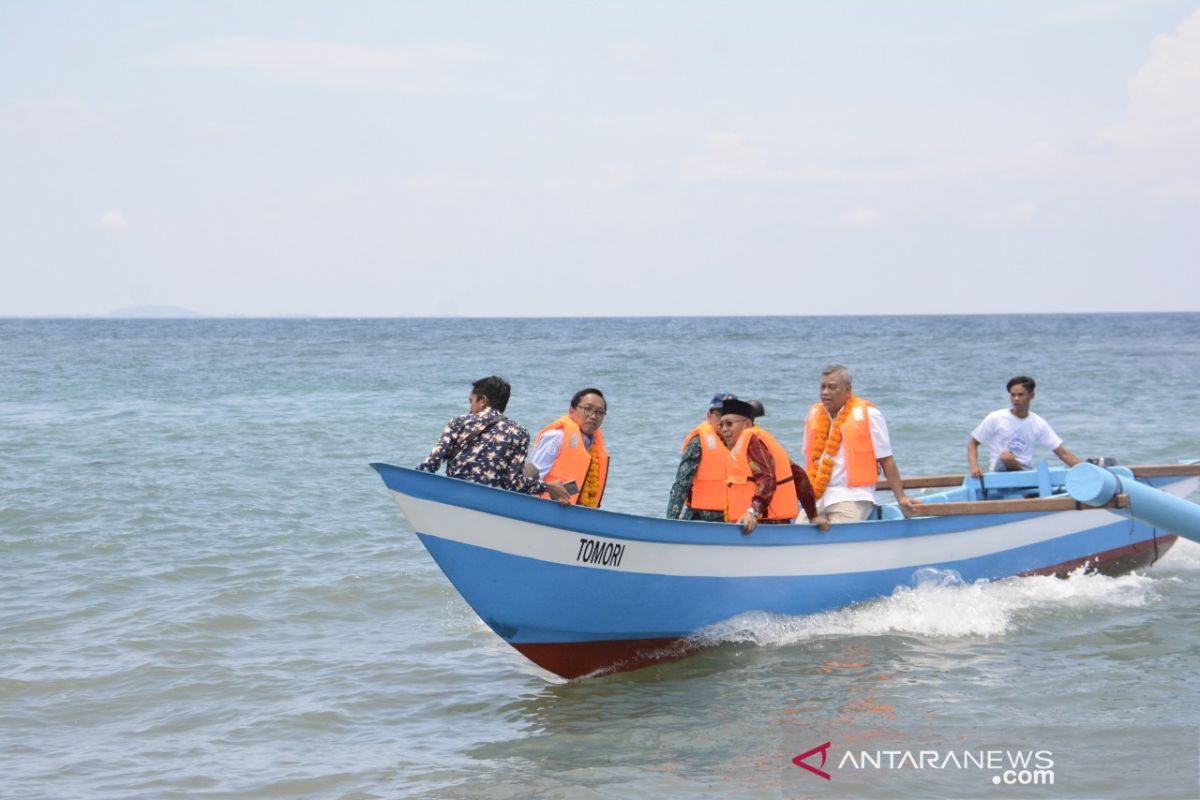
(571, 449)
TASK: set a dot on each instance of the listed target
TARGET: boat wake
(939, 604)
(533, 571)
(1183, 557)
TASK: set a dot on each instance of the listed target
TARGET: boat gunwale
(618, 525)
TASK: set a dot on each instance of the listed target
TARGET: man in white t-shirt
(1011, 433)
(846, 445)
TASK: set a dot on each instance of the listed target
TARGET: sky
(381, 159)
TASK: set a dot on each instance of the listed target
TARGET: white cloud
(453, 182)
(1043, 151)
(630, 52)
(727, 156)
(51, 115)
(856, 177)
(1157, 145)
(731, 157)
(332, 64)
(617, 177)
(1178, 189)
(1019, 215)
(1164, 95)
(114, 220)
(1094, 11)
(860, 217)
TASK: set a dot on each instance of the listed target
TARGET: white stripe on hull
(544, 543)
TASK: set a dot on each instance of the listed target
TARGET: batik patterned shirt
(487, 448)
(762, 472)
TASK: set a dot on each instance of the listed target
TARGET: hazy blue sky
(493, 158)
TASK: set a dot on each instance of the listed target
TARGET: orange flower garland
(590, 495)
(825, 446)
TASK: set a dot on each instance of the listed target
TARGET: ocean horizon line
(203, 317)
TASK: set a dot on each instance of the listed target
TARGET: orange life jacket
(784, 505)
(862, 468)
(573, 458)
(708, 486)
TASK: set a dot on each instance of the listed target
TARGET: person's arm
(681, 490)
(762, 472)
(558, 492)
(1051, 440)
(528, 485)
(816, 518)
(518, 481)
(1068, 458)
(545, 451)
(973, 457)
(438, 453)
(892, 473)
(808, 498)
(882, 442)
(804, 491)
(984, 432)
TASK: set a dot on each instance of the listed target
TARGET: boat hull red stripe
(580, 659)
(589, 659)
(1120, 561)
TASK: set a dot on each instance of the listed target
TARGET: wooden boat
(584, 592)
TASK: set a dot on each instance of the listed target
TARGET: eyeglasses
(591, 411)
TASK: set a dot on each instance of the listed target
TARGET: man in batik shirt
(487, 447)
(779, 487)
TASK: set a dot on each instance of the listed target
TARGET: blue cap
(718, 399)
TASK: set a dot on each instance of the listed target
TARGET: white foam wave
(1184, 555)
(941, 605)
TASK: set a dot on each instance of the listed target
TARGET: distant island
(155, 312)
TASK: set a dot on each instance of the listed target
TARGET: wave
(940, 604)
(1183, 557)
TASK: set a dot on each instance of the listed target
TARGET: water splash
(1183, 557)
(939, 604)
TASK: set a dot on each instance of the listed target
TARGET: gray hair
(843, 372)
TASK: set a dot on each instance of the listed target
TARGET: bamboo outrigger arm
(1145, 471)
(1018, 506)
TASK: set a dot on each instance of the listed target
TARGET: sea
(207, 592)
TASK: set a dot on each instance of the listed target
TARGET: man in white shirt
(844, 477)
(1011, 433)
(571, 449)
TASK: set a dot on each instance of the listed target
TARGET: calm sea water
(206, 592)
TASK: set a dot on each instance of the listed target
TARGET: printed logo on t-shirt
(1020, 447)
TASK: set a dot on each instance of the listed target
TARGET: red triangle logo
(823, 750)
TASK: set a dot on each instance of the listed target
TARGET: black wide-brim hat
(739, 407)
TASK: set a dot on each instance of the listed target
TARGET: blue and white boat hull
(582, 591)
